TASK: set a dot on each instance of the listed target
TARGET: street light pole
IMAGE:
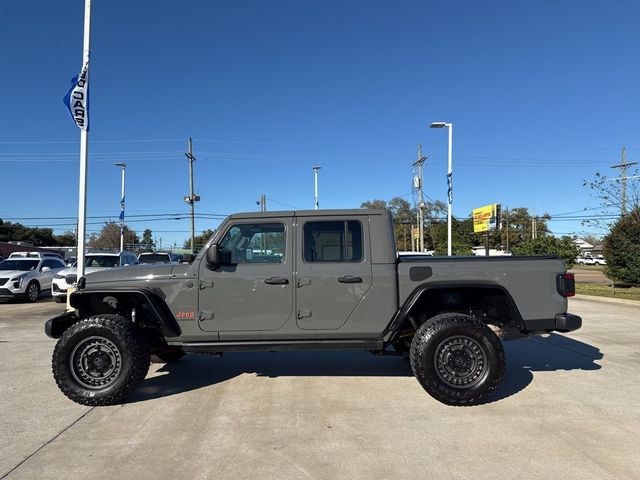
(316, 205)
(124, 168)
(449, 180)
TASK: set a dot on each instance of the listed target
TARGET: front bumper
(562, 322)
(9, 290)
(59, 287)
(5, 293)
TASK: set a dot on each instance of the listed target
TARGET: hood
(73, 270)
(130, 274)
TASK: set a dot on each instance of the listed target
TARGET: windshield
(154, 258)
(22, 265)
(102, 261)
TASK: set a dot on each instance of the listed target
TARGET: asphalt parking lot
(569, 408)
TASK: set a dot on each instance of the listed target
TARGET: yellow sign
(415, 232)
(486, 218)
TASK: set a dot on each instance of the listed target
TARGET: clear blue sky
(542, 94)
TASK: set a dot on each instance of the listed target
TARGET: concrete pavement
(568, 408)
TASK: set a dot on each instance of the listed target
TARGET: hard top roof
(311, 213)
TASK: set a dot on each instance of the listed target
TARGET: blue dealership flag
(122, 215)
(450, 187)
(77, 98)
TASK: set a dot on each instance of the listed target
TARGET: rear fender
(514, 321)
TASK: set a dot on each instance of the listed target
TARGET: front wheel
(32, 292)
(100, 360)
(457, 359)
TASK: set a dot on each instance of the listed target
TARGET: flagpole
(84, 149)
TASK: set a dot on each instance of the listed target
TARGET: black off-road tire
(109, 342)
(32, 292)
(457, 359)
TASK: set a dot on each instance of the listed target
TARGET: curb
(623, 301)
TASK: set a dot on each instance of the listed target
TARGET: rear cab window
(333, 241)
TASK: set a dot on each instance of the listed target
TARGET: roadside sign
(486, 218)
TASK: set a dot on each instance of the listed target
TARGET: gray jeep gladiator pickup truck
(320, 279)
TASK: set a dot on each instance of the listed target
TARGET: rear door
(334, 270)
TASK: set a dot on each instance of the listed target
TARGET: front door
(334, 270)
(254, 292)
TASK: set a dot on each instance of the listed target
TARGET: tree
(622, 249)
(200, 240)
(549, 245)
(403, 217)
(67, 239)
(611, 194)
(109, 237)
(147, 242)
(16, 232)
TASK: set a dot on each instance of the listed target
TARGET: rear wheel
(457, 359)
(100, 360)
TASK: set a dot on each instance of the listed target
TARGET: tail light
(566, 284)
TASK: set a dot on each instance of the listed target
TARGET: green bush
(622, 249)
(549, 245)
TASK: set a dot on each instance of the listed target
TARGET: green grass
(599, 268)
(602, 290)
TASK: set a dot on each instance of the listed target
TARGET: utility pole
(191, 199)
(623, 166)
(418, 183)
(506, 218)
(262, 203)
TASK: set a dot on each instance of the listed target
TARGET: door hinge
(304, 314)
(206, 284)
(303, 281)
(205, 316)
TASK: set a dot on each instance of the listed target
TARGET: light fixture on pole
(316, 168)
(124, 168)
(449, 180)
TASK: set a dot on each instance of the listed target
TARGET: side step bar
(282, 345)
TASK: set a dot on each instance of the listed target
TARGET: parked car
(588, 259)
(93, 262)
(600, 260)
(585, 259)
(315, 279)
(159, 257)
(35, 255)
(28, 277)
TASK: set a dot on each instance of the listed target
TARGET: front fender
(148, 302)
(55, 327)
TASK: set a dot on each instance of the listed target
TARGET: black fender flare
(423, 288)
(151, 299)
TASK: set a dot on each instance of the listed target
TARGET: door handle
(349, 279)
(276, 281)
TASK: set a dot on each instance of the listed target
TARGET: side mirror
(45, 269)
(213, 256)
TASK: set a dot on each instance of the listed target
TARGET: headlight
(18, 280)
(58, 276)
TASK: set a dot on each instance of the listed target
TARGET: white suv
(28, 276)
(93, 262)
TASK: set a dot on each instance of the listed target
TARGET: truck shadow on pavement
(195, 371)
(543, 354)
